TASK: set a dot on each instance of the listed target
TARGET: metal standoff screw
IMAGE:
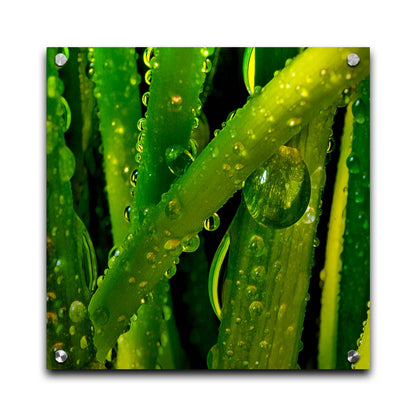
(353, 59)
(61, 356)
(353, 356)
(60, 59)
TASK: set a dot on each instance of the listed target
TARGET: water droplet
(250, 134)
(167, 312)
(214, 150)
(127, 212)
(135, 79)
(255, 309)
(139, 147)
(151, 257)
(175, 102)
(276, 267)
(353, 164)
(141, 123)
(316, 242)
(282, 311)
(277, 194)
(133, 178)
(294, 121)
(212, 223)
(169, 273)
(100, 280)
(172, 244)
(359, 195)
(239, 149)
(193, 148)
(310, 215)
(66, 164)
(331, 145)
(258, 273)
(190, 243)
(100, 316)
(264, 345)
(51, 318)
(206, 66)
(145, 98)
(147, 56)
(83, 343)
(178, 159)
(90, 70)
(204, 52)
(359, 111)
(251, 292)
(173, 209)
(148, 77)
(256, 245)
(112, 255)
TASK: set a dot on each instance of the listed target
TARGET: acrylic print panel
(208, 208)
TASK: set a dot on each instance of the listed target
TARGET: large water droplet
(277, 194)
(212, 223)
(255, 309)
(256, 245)
(178, 159)
(190, 243)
